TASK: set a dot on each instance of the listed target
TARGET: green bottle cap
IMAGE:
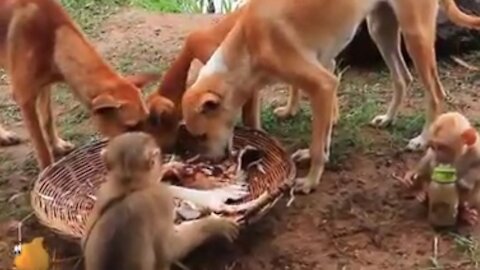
(444, 174)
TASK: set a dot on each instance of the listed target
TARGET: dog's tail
(22, 16)
(459, 17)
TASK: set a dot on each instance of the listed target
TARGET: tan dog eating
(41, 45)
(295, 42)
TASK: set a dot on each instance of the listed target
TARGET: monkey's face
(450, 146)
(445, 153)
(132, 158)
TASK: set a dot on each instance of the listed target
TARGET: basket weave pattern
(63, 195)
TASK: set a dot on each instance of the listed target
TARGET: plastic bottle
(443, 197)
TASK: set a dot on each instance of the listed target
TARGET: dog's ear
(209, 102)
(105, 102)
(143, 79)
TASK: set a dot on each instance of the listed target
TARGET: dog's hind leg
(60, 147)
(293, 104)
(418, 26)
(385, 32)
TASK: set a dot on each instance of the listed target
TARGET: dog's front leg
(44, 106)
(320, 85)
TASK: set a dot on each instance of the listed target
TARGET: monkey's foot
(8, 138)
(62, 147)
(468, 215)
(381, 120)
(418, 143)
(285, 112)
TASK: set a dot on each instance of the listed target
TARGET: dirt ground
(358, 218)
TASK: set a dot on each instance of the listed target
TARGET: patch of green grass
(90, 13)
(470, 247)
(296, 131)
(405, 127)
(172, 6)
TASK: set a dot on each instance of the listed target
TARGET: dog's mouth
(199, 144)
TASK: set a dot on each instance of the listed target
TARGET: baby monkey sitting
(452, 141)
(132, 223)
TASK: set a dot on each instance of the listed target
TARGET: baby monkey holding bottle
(449, 172)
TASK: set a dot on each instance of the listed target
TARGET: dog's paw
(301, 155)
(224, 227)
(418, 143)
(305, 185)
(8, 138)
(381, 120)
(284, 112)
(62, 147)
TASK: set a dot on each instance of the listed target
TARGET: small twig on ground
(292, 197)
(464, 64)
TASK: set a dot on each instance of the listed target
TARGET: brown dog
(296, 43)
(41, 45)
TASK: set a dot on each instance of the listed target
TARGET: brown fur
(454, 141)
(41, 45)
(281, 40)
(132, 223)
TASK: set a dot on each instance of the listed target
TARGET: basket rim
(251, 216)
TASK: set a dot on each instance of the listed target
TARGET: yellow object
(32, 256)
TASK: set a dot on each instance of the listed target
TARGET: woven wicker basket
(62, 194)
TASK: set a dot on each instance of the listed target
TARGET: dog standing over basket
(295, 42)
(41, 45)
(132, 223)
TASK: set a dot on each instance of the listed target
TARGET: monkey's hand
(216, 225)
(409, 179)
(468, 214)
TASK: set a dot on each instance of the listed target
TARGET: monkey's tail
(459, 17)
(16, 36)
